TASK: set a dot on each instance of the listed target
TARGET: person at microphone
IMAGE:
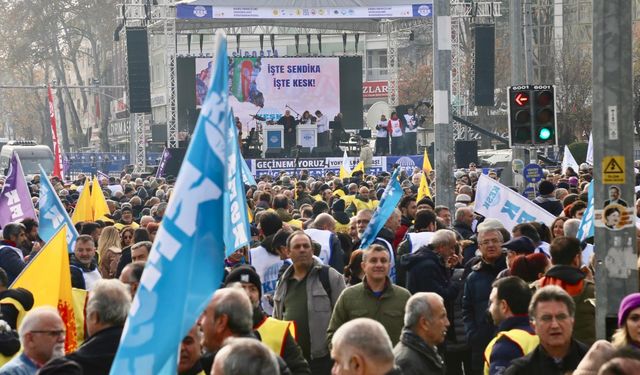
(290, 124)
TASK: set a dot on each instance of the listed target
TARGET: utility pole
(518, 77)
(528, 42)
(444, 152)
(615, 244)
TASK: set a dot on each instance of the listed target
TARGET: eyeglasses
(52, 333)
(494, 241)
(549, 318)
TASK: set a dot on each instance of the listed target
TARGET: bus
(31, 155)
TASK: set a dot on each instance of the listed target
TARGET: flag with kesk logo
(53, 215)
(186, 262)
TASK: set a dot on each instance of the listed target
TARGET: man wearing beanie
(276, 334)
(547, 199)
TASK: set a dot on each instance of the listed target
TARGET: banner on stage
(496, 201)
(407, 163)
(267, 86)
(205, 10)
(315, 166)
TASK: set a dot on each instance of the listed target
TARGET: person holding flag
(186, 262)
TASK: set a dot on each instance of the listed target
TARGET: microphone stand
(296, 149)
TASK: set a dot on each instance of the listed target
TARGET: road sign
(533, 173)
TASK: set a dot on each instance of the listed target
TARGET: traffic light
(520, 121)
(532, 115)
(544, 131)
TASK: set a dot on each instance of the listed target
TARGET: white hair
(32, 318)
(419, 305)
(365, 336)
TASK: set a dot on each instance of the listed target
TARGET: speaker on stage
(466, 153)
(138, 70)
(175, 161)
(322, 152)
(485, 38)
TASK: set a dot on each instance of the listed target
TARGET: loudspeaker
(159, 133)
(322, 152)
(466, 153)
(273, 153)
(175, 161)
(138, 70)
(485, 38)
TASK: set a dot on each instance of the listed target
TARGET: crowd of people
(441, 290)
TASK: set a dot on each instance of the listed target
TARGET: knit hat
(629, 303)
(573, 181)
(244, 274)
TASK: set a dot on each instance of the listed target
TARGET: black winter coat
(415, 357)
(96, 355)
(539, 362)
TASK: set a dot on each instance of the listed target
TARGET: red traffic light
(544, 98)
(521, 99)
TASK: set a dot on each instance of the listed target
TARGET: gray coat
(319, 304)
(415, 357)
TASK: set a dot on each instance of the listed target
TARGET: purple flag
(101, 174)
(15, 199)
(163, 163)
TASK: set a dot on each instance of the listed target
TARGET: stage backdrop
(266, 85)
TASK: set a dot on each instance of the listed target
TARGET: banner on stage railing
(268, 86)
(206, 10)
(496, 201)
(407, 163)
(315, 166)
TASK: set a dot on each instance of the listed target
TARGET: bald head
(325, 221)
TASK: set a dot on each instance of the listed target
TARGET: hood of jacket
(568, 278)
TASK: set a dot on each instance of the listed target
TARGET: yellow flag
(423, 190)
(426, 164)
(83, 210)
(98, 203)
(359, 167)
(48, 278)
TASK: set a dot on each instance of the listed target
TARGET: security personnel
(508, 305)
(278, 335)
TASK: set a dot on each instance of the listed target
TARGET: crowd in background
(441, 290)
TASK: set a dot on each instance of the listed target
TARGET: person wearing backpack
(302, 296)
(375, 297)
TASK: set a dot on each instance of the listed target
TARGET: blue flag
(389, 201)
(586, 228)
(186, 262)
(52, 214)
(236, 219)
(247, 176)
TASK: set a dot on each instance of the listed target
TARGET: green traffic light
(544, 134)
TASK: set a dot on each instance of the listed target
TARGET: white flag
(496, 201)
(569, 161)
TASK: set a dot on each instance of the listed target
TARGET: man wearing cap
(464, 218)
(516, 246)
(547, 198)
(126, 220)
(276, 334)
